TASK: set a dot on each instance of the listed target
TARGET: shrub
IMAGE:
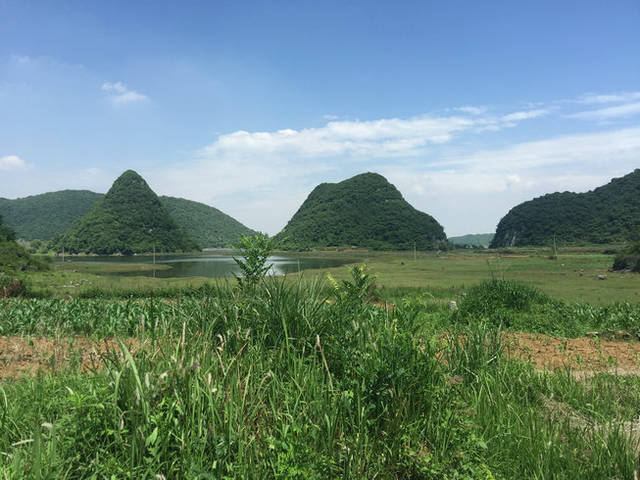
(11, 286)
(494, 295)
(629, 259)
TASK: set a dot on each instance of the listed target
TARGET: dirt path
(585, 356)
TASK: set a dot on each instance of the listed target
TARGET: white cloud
(471, 110)
(595, 98)
(524, 115)
(577, 151)
(470, 193)
(387, 137)
(120, 94)
(11, 162)
(625, 110)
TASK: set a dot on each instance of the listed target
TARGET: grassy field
(311, 377)
(572, 276)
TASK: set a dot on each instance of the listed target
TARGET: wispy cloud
(120, 94)
(472, 110)
(389, 137)
(529, 164)
(599, 98)
(524, 115)
(618, 111)
(11, 162)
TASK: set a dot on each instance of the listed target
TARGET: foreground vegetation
(319, 377)
(275, 380)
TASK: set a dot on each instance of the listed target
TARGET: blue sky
(467, 107)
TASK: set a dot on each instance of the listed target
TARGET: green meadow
(350, 372)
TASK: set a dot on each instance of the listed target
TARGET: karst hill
(610, 213)
(130, 218)
(363, 211)
(47, 215)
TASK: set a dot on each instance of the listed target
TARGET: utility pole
(415, 253)
(154, 252)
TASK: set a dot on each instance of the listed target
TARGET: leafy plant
(360, 287)
(255, 251)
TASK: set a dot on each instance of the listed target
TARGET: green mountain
(49, 214)
(472, 240)
(610, 213)
(43, 216)
(364, 211)
(206, 225)
(129, 219)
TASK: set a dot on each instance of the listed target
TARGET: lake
(212, 264)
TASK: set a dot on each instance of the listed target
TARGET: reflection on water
(213, 264)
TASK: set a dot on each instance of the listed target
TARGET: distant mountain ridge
(472, 240)
(129, 219)
(610, 213)
(206, 225)
(46, 215)
(364, 211)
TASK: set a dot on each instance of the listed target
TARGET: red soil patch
(582, 355)
(27, 356)
(585, 356)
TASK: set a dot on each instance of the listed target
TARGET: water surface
(212, 265)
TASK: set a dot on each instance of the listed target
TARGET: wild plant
(255, 251)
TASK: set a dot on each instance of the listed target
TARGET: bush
(627, 262)
(629, 259)
(11, 286)
(494, 295)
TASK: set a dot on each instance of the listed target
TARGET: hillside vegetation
(364, 211)
(610, 213)
(14, 260)
(472, 240)
(208, 226)
(48, 214)
(129, 219)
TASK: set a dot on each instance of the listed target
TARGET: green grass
(302, 378)
(572, 277)
(282, 384)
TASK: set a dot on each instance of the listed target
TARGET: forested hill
(208, 226)
(45, 215)
(49, 214)
(364, 211)
(128, 219)
(610, 213)
(472, 240)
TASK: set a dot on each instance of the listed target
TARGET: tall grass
(287, 383)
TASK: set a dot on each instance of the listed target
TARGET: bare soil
(585, 356)
(28, 356)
